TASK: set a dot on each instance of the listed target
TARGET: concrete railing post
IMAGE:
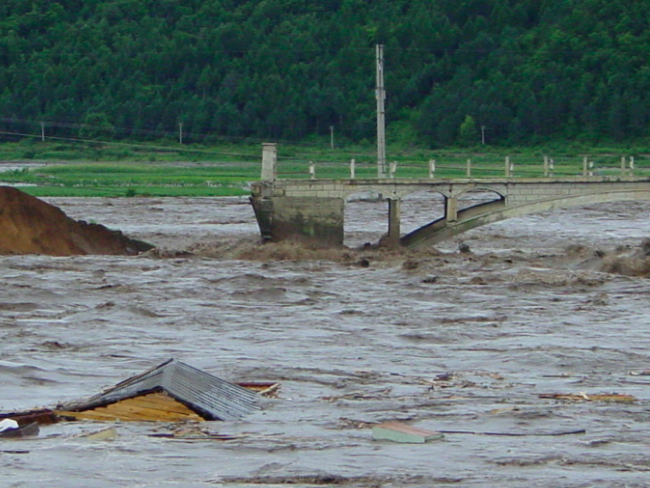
(352, 169)
(269, 161)
(584, 166)
(631, 165)
(507, 166)
(623, 165)
(312, 170)
(545, 166)
(469, 168)
(432, 168)
(393, 168)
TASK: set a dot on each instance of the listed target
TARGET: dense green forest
(527, 71)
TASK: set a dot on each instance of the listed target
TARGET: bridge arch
(420, 206)
(481, 189)
(364, 216)
(440, 230)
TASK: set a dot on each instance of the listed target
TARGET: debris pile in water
(31, 226)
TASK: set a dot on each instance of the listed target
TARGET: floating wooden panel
(154, 407)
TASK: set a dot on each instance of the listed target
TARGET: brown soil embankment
(30, 226)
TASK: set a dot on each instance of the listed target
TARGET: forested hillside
(526, 70)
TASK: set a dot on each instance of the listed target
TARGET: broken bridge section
(312, 210)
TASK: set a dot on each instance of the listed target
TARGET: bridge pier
(394, 223)
(312, 221)
(451, 209)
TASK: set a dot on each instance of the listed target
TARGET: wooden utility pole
(380, 93)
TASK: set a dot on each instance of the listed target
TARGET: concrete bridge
(312, 210)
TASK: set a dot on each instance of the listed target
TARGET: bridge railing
(462, 166)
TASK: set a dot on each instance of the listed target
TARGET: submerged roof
(211, 397)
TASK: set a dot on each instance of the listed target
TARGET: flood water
(555, 303)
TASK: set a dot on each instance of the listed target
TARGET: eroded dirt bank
(31, 226)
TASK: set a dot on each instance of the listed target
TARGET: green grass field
(117, 169)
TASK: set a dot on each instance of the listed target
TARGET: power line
(125, 144)
(170, 134)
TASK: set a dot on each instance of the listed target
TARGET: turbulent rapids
(524, 332)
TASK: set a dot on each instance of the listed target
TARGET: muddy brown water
(441, 339)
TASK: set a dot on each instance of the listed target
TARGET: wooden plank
(399, 432)
(128, 415)
(87, 415)
(143, 413)
(163, 401)
(135, 405)
(101, 414)
(161, 409)
(157, 406)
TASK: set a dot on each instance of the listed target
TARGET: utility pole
(180, 132)
(483, 134)
(42, 131)
(381, 114)
(331, 137)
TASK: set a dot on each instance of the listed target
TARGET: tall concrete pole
(381, 114)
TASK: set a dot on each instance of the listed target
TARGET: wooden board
(154, 407)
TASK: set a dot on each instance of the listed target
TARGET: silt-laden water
(440, 339)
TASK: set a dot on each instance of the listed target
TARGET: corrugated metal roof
(212, 397)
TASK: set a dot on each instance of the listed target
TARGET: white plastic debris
(8, 424)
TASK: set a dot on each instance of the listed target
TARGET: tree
(468, 133)
(96, 125)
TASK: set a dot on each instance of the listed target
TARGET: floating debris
(645, 372)
(516, 434)
(11, 428)
(583, 397)
(40, 417)
(8, 424)
(170, 392)
(100, 435)
(194, 433)
(399, 432)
